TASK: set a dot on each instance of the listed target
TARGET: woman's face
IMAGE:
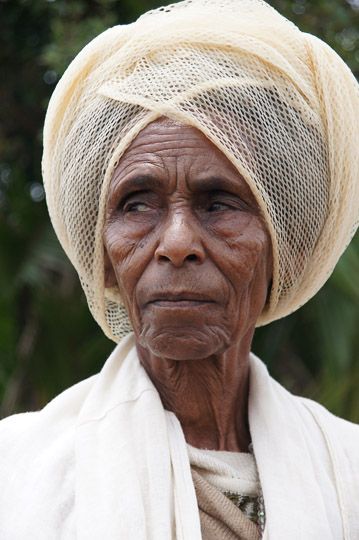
(186, 243)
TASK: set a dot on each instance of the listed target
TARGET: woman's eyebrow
(139, 182)
(212, 183)
(218, 183)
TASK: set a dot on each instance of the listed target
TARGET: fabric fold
(127, 472)
(220, 518)
(293, 463)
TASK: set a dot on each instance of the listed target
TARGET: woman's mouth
(181, 299)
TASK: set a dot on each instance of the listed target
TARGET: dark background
(48, 339)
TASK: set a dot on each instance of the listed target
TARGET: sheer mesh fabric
(280, 104)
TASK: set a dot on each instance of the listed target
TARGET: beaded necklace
(261, 508)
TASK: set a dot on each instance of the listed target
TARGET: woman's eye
(136, 207)
(217, 206)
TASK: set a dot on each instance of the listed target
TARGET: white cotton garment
(105, 461)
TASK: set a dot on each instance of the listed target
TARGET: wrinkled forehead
(168, 138)
(169, 150)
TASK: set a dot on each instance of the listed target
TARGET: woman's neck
(209, 396)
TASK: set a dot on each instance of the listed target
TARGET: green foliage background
(48, 340)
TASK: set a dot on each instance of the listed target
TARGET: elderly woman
(201, 171)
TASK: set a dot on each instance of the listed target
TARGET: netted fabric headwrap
(279, 103)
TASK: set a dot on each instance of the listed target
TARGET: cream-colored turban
(279, 103)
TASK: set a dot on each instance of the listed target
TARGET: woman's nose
(180, 241)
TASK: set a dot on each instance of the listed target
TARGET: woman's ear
(110, 276)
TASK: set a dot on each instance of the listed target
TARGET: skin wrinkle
(176, 236)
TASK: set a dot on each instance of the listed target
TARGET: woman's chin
(188, 344)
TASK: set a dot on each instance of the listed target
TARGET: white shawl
(105, 461)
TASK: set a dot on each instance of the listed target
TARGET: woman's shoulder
(342, 442)
(57, 416)
(340, 436)
(40, 432)
(347, 433)
(31, 436)
(37, 460)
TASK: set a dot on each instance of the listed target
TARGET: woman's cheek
(130, 267)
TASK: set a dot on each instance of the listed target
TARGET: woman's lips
(179, 300)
